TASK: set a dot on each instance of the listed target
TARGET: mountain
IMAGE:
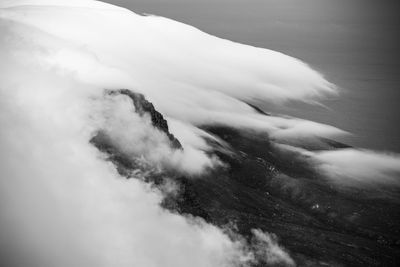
(192, 172)
(263, 185)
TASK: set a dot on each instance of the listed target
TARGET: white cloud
(268, 250)
(205, 81)
(61, 203)
(360, 167)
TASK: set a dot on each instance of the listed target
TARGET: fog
(62, 203)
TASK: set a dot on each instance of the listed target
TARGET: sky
(353, 43)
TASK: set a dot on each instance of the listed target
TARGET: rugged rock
(124, 163)
(143, 106)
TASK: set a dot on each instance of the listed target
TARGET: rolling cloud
(63, 204)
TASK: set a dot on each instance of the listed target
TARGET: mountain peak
(143, 106)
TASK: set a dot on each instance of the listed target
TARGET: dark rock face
(123, 162)
(143, 106)
(280, 192)
(277, 191)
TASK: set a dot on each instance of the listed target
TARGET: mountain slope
(264, 186)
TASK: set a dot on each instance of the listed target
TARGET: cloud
(63, 204)
(360, 167)
(350, 167)
(268, 250)
(139, 140)
(207, 77)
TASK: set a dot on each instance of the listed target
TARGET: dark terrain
(276, 190)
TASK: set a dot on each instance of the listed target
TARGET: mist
(63, 204)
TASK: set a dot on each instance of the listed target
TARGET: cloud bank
(365, 167)
(62, 203)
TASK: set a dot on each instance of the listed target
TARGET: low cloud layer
(360, 167)
(63, 204)
(136, 137)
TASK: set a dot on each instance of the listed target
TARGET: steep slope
(265, 186)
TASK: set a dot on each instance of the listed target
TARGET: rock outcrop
(142, 107)
(126, 164)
